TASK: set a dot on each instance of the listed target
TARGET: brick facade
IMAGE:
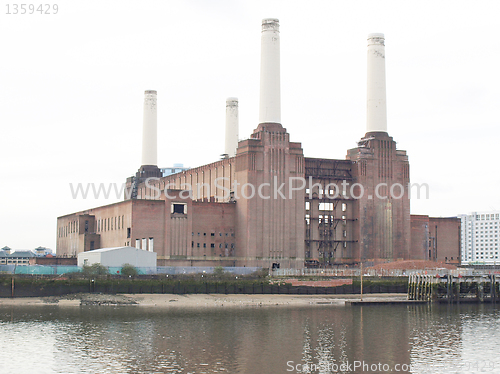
(384, 220)
(435, 238)
(194, 218)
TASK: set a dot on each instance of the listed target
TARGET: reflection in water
(448, 338)
(52, 339)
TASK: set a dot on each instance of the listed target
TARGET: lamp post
(361, 269)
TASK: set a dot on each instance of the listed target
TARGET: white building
(117, 257)
(479, 238)
(177, 168)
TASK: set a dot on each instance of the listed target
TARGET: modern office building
(479, 237)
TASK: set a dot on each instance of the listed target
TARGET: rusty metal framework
(320, 168)
(327, 239)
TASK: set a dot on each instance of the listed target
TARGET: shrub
(129, 270)
(94, 269)
(218, 271)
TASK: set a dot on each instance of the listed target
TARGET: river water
(318, 339)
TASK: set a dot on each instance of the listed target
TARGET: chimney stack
(149, 142)
(231, 126)
(376, 110)
(270, 98)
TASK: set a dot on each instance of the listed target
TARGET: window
(212, 234)
(197, 245)
(92, 245)
(212, 245)
(325, 206)
(204, 245)
(128, 232)
(179, 208)
(86, 226)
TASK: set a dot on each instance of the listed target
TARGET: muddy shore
(194, 300)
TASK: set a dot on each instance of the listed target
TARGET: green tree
(94, 269)
(129, 270)
(218, 271)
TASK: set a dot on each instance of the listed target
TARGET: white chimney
(149, 142)
(376, 110)
(270, 98)
(231, 126)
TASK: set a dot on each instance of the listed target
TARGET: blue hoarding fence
(170, 270)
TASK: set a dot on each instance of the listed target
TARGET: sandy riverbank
(194, 300)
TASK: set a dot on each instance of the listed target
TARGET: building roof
(42, 249)
(21, 254)
(110, 249)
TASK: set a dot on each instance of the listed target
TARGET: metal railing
(175, 270)
(376, 272)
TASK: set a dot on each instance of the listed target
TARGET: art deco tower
(383, 228)
(270, 227)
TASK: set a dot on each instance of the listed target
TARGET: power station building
(265, 202)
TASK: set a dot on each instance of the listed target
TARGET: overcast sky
(72, 86)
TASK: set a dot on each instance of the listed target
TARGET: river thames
(317, 339)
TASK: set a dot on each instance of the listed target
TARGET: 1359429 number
(32, 8)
